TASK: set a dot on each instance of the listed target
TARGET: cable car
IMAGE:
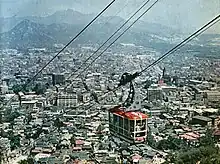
(126, 121)
(130, 126)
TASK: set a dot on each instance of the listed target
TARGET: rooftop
(131, 115)
(202, 118)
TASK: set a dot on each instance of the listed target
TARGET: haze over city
(185, 16)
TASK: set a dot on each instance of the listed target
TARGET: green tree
(14, 141)
(58, 123)
(1, 156)
(100, 128)
(204, 154)
(147, 84)
(29, 118)
(0, 118)
(208, 139)
(2, 99)
(3, 134)
(150, 139)
(17, 88)
(172, 143)
(13, 115)
(27, 161)
(23, 162)
(39, 89)
(10, 114)
(7, 111)
(37, 134)
(20, 88)
(72, 140)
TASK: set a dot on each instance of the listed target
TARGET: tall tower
(164, 72)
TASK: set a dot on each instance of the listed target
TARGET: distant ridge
(76, 18)
(62, 25)
(31, 34)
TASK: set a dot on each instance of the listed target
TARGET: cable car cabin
(128, 125)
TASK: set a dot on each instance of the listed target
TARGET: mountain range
(61, 26)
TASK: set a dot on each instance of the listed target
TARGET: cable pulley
(126, 78)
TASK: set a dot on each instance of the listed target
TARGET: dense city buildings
(59, 120)
(108, 106)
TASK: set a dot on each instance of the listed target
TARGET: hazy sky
(186, 15)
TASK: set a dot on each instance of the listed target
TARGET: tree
(0, 118)
(172, 144)
(39, 89)
(58, 123)
(29, 118)
(72, 140)
(13, 115)
(10, 115)
(23, 162)
(37, 134)
(206, 155)
(208, 139)
(19, 88)
(2, 99)
(14, 141)
(7, 111)
(93, 146)
(147, 84)
(150, 139)
(100, 128)
(27, 161)
(1, 157)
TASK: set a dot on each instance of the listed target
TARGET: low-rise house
(202, 120)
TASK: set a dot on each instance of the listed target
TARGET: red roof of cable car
(131, 115)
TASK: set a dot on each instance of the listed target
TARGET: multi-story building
(67, 100)
(4, 88)
(58, 79)
(212, 96)
(154, 93)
